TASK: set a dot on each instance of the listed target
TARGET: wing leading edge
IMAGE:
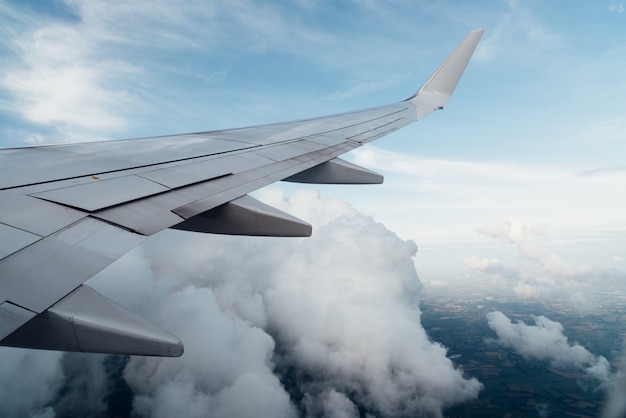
(88, 204)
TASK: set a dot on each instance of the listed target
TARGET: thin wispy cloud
(82, 79)
(367, 87)
(59, 80)
(603, 170)
(518, 32)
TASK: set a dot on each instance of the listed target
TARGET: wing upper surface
(87, 204)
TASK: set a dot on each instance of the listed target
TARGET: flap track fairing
(86, 321)
(336, 171)
(246, 216)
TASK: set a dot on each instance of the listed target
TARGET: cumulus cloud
(226, 360)
(330, 404)
(546, 341)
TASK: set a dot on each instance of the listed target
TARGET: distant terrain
(513, 386)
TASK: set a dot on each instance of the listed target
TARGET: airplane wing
(68, 211)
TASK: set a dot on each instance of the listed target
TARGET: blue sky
(535, 133)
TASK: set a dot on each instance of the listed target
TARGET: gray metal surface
(246, 216)
(68, 211)
(43, 273)
(232, 187)
(35, 215)
(100, 194)
(24, 166)
(336, 171)
(14, 239)
(86, 321)
(12, 317)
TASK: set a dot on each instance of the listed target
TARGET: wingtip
(445, 79)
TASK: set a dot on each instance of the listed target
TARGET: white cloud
(226, 360)
(518, 25)
(545, 341)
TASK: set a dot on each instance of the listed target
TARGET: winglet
(440, 86)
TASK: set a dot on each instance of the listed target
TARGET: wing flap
(100, 194)
(54, 266)
(86, 321)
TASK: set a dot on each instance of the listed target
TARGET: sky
(517, 185)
